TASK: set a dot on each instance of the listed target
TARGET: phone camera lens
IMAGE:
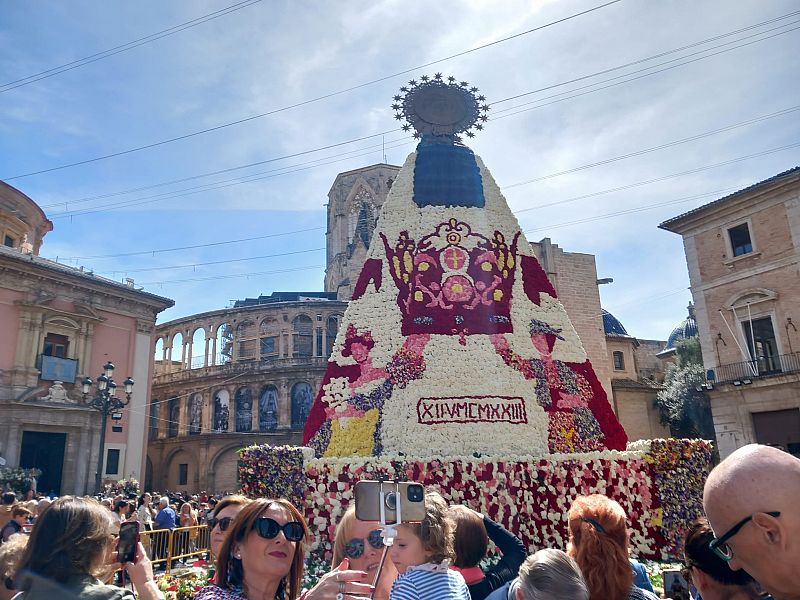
(415, 493)
(391, 500)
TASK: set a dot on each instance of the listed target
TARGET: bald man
(752, 500)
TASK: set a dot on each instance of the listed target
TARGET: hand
(140, 571)
(341, 584)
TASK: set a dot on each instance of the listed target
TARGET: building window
(302, 397)
(9, 241)
(302, 330)
(619, 361)
(183, 474)
(740, 239)
(762, 345)
(779, 428)
(112, 461)
(56, 345)
(155, 411)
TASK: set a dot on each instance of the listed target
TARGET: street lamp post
(106, 402)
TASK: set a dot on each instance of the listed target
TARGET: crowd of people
(748, 547)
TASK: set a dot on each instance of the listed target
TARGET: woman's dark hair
(598, 541)
(69, 538)
(140, 501)
(470, 540)
(229, 568)
(698, 554)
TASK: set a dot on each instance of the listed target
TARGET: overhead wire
(309, 101)
(62, 215)
(11, 85)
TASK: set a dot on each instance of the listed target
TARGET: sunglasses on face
(355, 547)
(223, 523)
(720, 545)
(269, 529)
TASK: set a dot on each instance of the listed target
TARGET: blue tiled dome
(685, 329)
(611, 324)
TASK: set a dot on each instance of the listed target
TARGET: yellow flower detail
(418, 296)
(423, 266)
(658, 517)
(355, 438)
(486, 266)
(498, 295)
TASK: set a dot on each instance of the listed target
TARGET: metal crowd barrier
(166, 546)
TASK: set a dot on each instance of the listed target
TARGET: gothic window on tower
(619, 361)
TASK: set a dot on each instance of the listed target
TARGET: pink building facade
(58, 325)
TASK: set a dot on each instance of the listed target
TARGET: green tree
(683, 404)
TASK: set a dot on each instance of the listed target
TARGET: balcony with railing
(762, 367)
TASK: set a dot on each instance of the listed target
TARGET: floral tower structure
(455, 342)
(457, 366)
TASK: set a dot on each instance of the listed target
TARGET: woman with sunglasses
(709, 574)
(357, 550)
(221, 517)
(262, 555)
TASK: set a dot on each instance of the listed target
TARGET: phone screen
(128, 540)
(675, 586)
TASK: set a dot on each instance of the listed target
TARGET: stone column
(205, 355)
(284, 405)
(256, 397)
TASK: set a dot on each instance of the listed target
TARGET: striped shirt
(429, 585)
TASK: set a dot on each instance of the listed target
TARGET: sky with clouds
(707, 104)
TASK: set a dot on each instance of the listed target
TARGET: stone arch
(268, 408)
(302, 396)
(332, 324)
(362, 215)
(269, 332)
(158, 351)
(303, 336)
(180, 456)
(246, 340)
(244, 409)
(176, 355)
(195, 413)
(198, 346)
(221, 400)
(223, 344)
(753, 296)
(224, 469)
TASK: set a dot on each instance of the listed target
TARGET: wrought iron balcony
(764, 366)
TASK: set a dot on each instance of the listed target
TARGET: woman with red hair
(598, 541)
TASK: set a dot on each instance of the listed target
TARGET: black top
(514, 554)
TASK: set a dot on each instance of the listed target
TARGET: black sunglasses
(223, 523)
(269, 528)
(355, 547)
(720, 544)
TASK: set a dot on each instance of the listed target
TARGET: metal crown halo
(440, 107)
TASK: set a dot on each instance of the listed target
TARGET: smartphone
(128, 542)
(370, 495)
(675, 586)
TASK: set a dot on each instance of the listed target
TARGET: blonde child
(421, 553)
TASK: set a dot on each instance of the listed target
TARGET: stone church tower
(354, 202)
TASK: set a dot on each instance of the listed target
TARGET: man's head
(9, 498)
(163, 502)
(741, 492)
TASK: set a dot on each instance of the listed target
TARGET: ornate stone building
(354, 203)
(61, 324)
(743, 256)
(230, 378)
